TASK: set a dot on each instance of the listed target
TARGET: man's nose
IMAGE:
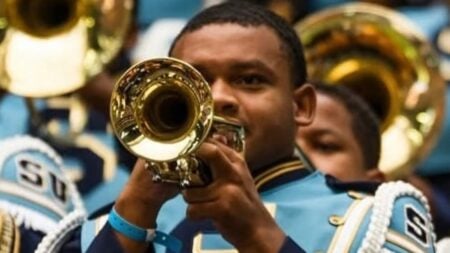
(224, 96)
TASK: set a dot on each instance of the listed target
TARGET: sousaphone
(51, 47)
(378, 53)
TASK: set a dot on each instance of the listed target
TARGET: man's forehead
(229, 41)
(228, 30)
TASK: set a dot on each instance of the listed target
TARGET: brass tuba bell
(51, 47)
(162, 110)
(380, 55)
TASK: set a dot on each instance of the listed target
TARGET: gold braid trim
(9, 234)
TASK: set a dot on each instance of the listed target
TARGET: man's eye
(326, 147)
(250, 80)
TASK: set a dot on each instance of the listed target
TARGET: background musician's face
(250, 78)
(331, 144)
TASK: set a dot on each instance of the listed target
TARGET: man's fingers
(200, 194)
(231, 154)
(215, 159)
(208, 210)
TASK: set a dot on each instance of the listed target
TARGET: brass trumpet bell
(51, 47)
(381, 55)
(162, 110)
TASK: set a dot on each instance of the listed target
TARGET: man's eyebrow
(254, 64)
(236, 66)
(200, 68)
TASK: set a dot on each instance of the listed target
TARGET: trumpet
(162, 110)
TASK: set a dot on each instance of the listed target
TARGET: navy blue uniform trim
(101, 211)
(289, 246)
(284, 179)
(361, 186)
(29, 239)
(283, 172)
(106, 241)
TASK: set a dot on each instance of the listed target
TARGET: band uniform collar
(282, 172)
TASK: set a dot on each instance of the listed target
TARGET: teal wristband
(136, 233)
(130, 230)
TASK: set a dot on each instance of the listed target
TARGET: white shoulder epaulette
(383, 206)
(55, 238)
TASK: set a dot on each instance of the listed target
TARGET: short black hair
(251, 15)
(365, 123)
(299, 8)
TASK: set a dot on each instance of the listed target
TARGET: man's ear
(304, 104)
(376, 175)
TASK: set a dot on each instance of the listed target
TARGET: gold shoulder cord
(9, 234)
